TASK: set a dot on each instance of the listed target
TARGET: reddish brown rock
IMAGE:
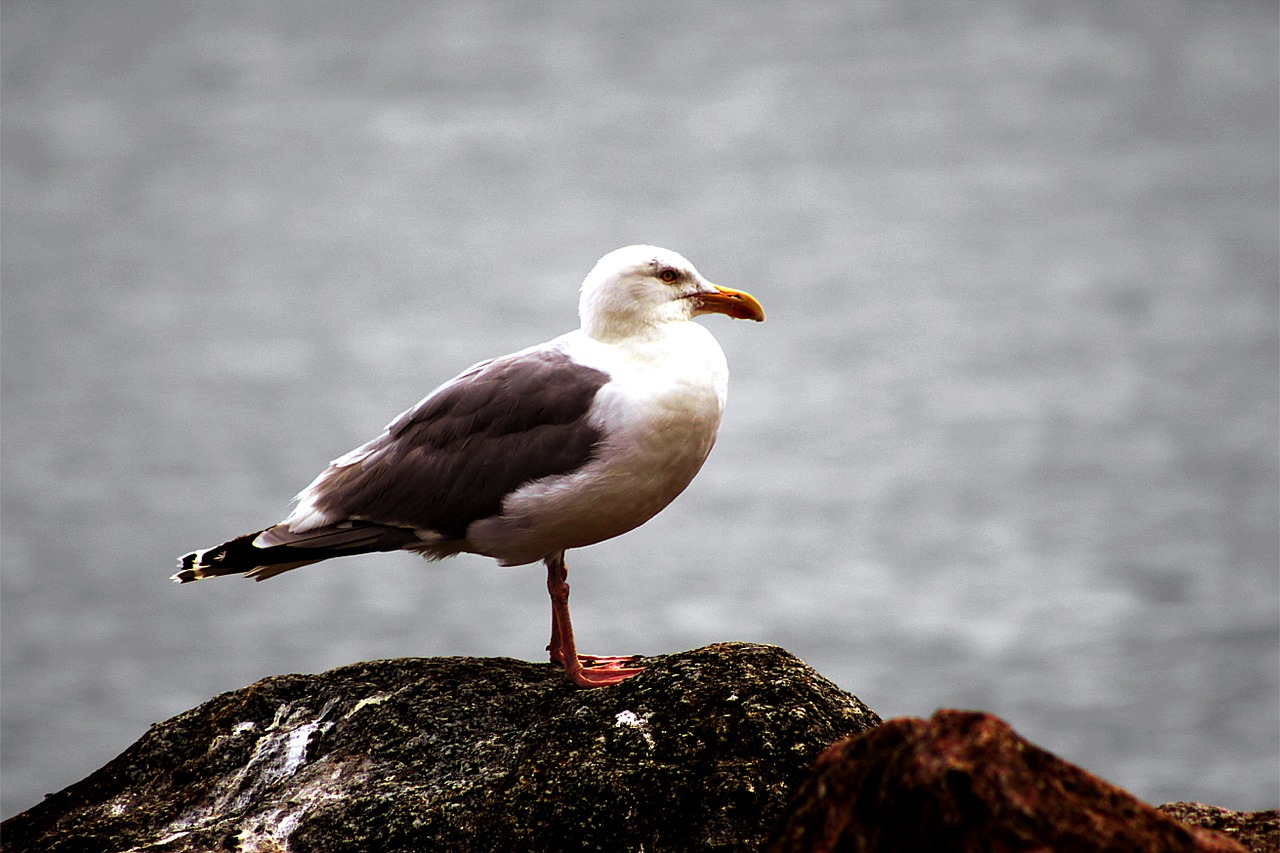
(966, 781)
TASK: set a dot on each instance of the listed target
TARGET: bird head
(637, 289)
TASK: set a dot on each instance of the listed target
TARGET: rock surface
(1258, 832)
(965, 781)
(700, 752)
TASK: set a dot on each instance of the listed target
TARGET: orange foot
(606, 660)
(596, 671)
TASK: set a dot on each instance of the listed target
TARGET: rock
(700, 752)
(966, 781)
(1257, 832)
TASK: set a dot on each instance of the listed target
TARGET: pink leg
(582, 670)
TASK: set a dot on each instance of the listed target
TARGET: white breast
(659, 416)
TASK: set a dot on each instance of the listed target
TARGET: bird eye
(669, 275)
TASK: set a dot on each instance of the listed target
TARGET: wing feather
(454, 457)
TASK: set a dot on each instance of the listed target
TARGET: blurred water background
(1007, 441)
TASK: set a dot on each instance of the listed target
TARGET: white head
(636, 290)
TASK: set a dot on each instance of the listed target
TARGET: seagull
(522, 457)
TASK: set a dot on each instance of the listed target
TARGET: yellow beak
(737, 304)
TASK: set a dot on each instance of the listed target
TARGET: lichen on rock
(700, 752)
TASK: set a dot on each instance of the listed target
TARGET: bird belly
(652, 450)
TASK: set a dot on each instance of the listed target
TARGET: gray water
(1007, 441)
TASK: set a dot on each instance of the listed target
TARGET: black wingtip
(187, 569)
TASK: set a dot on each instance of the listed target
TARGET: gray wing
(452, 459)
